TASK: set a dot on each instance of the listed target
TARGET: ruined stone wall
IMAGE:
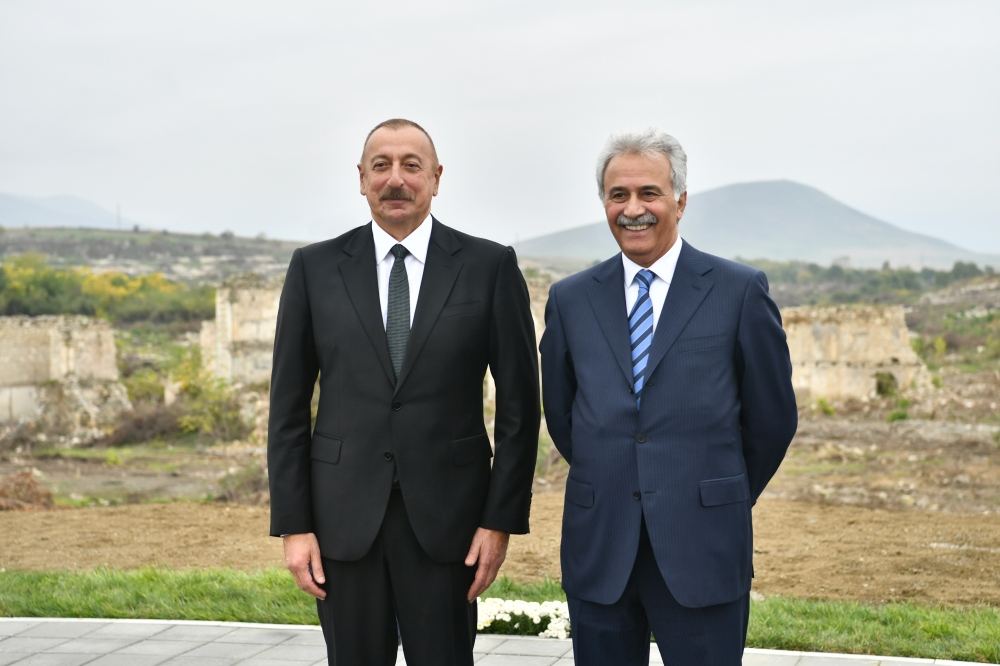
(837, 351)
(37, 352)
(237, 345)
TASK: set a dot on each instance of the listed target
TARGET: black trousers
(396, 592)
(619, 633)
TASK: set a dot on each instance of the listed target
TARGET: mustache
(645, 218)
(395, 194)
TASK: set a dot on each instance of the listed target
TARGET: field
(862, 509)
(882, 519)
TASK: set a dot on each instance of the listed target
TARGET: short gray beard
(646, 218)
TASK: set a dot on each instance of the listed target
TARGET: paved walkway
(61, 642)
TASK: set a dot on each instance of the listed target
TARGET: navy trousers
(619, 633)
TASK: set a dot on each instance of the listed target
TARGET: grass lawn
(902, 629)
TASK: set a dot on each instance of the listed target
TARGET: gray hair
(651, 141)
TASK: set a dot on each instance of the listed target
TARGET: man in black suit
(391, 512)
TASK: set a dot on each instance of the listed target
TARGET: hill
(189, 257)
(56, 211)
(778, 220)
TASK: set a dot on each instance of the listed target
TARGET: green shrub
(144, 385)
(208, 404)
(824, 406)
(886, 384)
(897, 415)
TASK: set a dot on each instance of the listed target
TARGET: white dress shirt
(663, 271)
(416, 244)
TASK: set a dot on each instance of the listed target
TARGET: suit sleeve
(558, 379)
(514, 365)
(293, 376)
(768, 412)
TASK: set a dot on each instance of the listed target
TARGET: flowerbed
(548, 619)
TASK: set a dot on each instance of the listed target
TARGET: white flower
(554, 615)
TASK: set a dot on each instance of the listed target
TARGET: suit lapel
(360, 277)
(607, 298)
(440, 272)
(688, 288)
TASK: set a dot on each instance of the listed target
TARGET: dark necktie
(640, 332)
(397, 320)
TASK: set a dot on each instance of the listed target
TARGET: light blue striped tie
(640, 331)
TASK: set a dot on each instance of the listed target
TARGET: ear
(437, 178)
(361, 179)
(681, 204)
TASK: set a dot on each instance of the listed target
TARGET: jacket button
(388, 455)
(641, 438)
(636, 496)
(396, 406)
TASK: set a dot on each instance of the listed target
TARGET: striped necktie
(640, 330)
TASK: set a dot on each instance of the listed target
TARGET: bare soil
(861, 509)
(803, 549)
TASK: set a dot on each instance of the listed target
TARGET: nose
(634, 208)
(396, 176)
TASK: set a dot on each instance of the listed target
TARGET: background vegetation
(798, 283)
(29, 286)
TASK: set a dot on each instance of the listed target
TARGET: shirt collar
(416, 243)
(663, 267)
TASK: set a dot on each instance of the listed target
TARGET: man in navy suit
(667, 388)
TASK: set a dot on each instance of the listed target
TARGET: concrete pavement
(72, 642)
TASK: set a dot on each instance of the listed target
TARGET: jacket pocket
(579, 493)
(467, 450)
(461, 309)
(325, 448)
(702, 343)
(725, 490)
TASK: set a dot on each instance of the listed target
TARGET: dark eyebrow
(408, 156)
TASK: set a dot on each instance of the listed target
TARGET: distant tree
(227, 235)
(135, 228)
(963, 270)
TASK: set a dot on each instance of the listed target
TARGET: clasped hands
(487, 552)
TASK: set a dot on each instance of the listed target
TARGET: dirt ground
(803, 549)
(861, 509)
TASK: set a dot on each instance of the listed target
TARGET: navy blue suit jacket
(717, 415)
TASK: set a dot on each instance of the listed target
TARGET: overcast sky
(249, 116)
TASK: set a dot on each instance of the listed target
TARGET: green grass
(265, 596)
(902, 629)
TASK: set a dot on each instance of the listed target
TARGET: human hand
(303, 559)
(489, 549)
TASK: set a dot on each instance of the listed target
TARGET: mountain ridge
(780, 220)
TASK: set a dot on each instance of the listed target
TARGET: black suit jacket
(334, 480)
